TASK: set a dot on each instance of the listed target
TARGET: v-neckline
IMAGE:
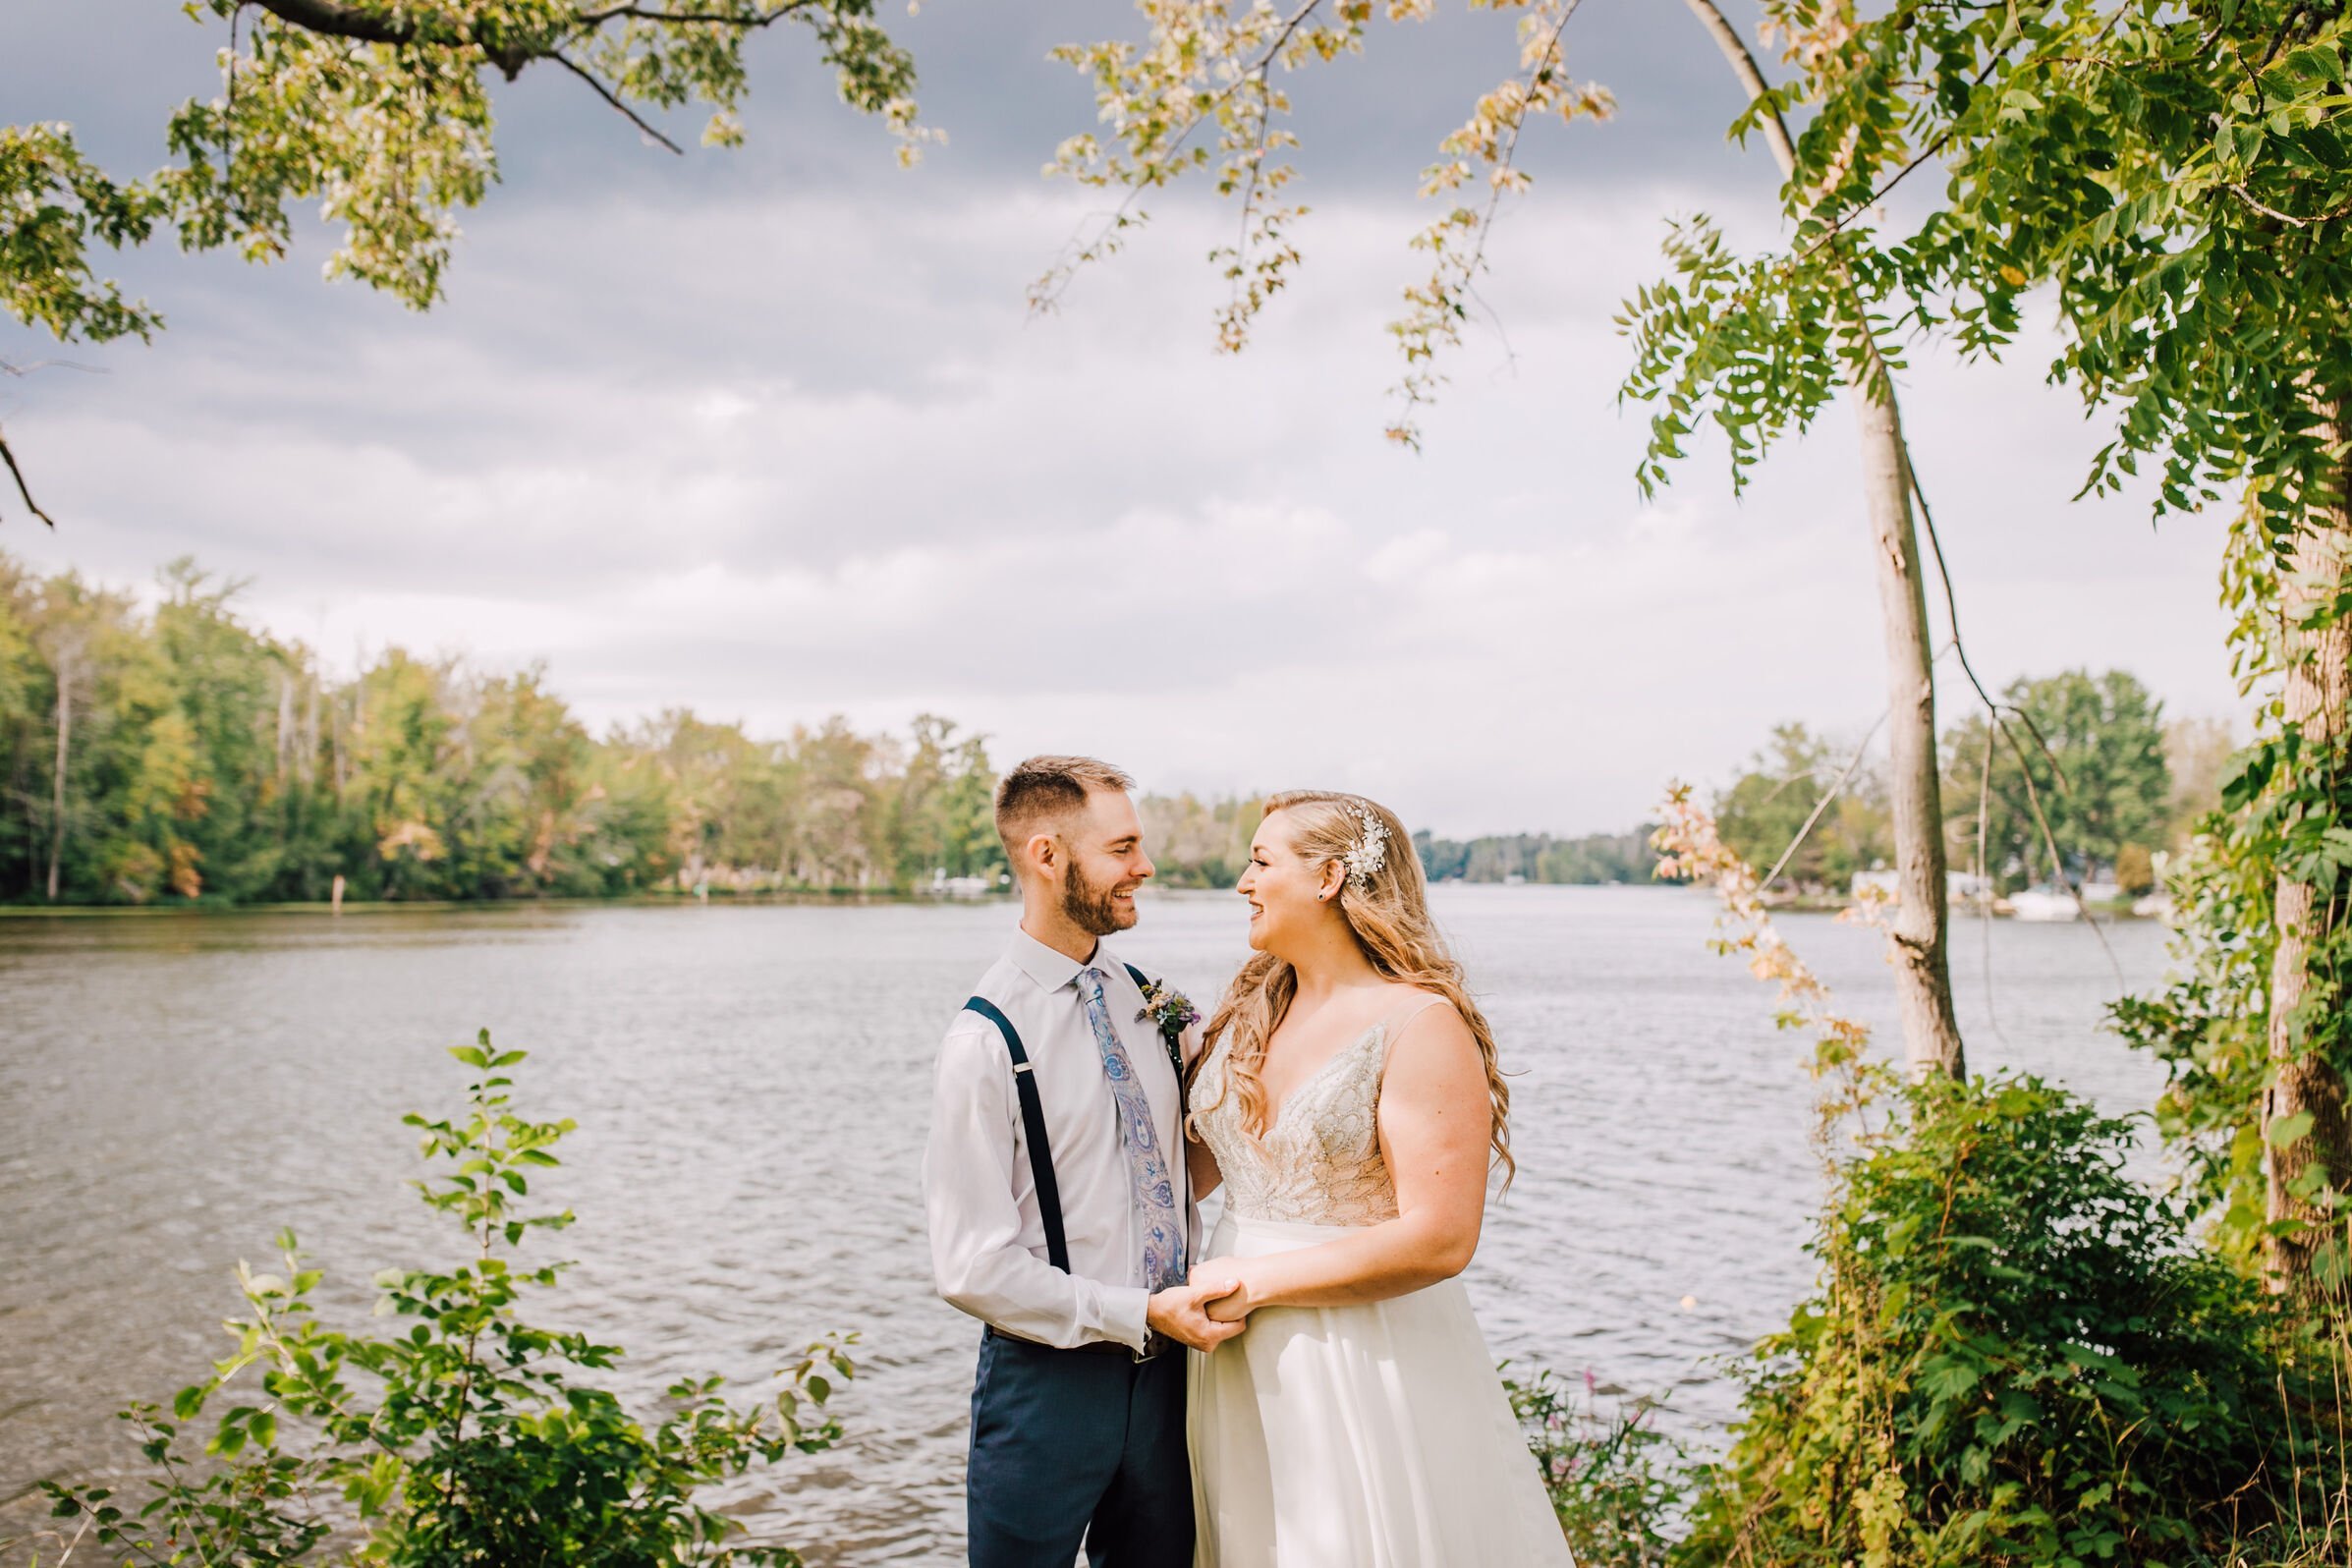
(1273, 1123)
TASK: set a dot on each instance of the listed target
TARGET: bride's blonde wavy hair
(1391, 920)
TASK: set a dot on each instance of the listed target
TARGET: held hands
(1228, 1301)
(1181, 1312)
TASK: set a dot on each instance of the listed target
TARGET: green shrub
(462, 1435)
(1615, 1479)
(2016, 1357)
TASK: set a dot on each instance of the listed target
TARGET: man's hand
(1179, 1312)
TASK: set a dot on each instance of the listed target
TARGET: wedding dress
(1364, 1436)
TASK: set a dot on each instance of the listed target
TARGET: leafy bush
(463, 1437)
(2285, 811)
(2016, 1357)
(1615, 1479)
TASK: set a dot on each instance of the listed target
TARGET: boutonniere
(1171, 1012)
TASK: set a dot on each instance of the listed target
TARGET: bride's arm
(1435, 1121)
(1204, 1168)
(1200, 1164)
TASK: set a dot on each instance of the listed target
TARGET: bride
(1347, 1096)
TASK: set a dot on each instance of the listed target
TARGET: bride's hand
(1231, 1305)
(1177, 1311)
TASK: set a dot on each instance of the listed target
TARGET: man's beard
(1092, 909)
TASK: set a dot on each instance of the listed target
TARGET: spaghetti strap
(1394, 1023)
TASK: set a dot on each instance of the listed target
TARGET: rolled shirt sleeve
(985, 1253)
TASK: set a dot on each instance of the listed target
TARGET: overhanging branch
(339, 20)
(607, 94)
(18, 474)
(1047, 292)
(714, 19)
(1743, 65)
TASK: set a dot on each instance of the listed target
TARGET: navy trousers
(1071, 1445)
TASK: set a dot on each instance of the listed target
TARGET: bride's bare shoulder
(1432, 1052)
(1418, 1009)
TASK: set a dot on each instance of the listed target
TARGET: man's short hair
(1048, 788)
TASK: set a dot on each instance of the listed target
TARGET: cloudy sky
(770, 433)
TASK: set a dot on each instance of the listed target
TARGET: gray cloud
(771, 436)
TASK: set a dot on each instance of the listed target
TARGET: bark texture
(2317, 700)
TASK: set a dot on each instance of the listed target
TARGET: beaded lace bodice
(1321, 1162)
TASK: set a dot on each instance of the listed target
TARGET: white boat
(2045, 904)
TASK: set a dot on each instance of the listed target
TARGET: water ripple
(752, 1086)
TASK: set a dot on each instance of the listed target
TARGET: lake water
(751, 1087)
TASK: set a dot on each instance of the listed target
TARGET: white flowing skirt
(1368, 1436)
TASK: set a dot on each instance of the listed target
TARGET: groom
(1060, 1216)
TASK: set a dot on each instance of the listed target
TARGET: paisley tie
(1153, 1189)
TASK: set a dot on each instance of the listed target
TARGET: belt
(1155, 1343)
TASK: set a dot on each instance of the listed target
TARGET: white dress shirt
(988, 1232)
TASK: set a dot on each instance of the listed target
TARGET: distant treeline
(2097, 773)
(1206, 844)
(1539, 858)
(181, 754)
(178, 753)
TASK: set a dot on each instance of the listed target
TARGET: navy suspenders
(1033, 1124)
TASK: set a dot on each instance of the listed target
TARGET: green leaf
(2286, 1131)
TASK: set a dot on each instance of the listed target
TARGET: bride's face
(1286, 890)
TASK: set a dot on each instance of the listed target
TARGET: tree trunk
(2317, 700)
(285, 725)
(306, 764)
(57, 799)
(1923, 972)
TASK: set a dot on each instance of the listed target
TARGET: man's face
(1106, 864)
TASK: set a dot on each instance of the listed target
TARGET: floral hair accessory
(1371, 852)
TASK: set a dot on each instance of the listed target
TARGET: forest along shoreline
(163, 750)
